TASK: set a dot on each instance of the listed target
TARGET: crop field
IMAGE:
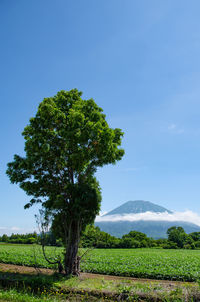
(142, 263)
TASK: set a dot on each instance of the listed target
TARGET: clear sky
(139, 60)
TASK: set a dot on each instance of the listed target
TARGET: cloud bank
(15, 230)
(187, 216)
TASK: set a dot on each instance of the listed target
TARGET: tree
(177, 235)
(195, 236)
(136, 235)
(65, 143)
(4, 238)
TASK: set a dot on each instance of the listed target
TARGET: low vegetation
(29, 287)
(179, 264)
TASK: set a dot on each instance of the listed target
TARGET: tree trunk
(71, 258)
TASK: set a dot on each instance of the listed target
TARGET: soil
(12, 268)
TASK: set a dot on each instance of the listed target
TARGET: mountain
(137, 206)
(115, 223)
(154, 229)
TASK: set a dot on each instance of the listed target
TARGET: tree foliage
(65, 143)
(177, 235)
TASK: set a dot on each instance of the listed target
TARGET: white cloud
(15, 229)
(173, 128)
(102, 213)
(187, 216)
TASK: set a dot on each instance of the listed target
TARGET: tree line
(93, 237)
(176, 238)
(20, 238)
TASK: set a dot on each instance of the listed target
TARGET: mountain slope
(152, 228)
(137, 206)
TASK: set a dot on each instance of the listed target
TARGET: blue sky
(139, 60)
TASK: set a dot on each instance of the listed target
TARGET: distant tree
(177, 235)
(65, 143)
(197, 244)
(189, 243)
(195, 236)
(136, 235)
(20, 238)
(4, 238)
(169, 245)
(128, 243)
(94, 237)
(139, 239)
(161, 241)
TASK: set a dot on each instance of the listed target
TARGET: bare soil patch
(12, 268)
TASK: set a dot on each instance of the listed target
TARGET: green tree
(136, 235)
(65, 143)
(4, 238)
(195, 236)
(94, 237)
(177, 235)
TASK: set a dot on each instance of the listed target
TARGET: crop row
(143, 263)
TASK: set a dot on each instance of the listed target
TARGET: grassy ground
(19, 296)
(141, 263)
(16, 286)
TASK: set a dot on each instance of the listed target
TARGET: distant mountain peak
(137, 206)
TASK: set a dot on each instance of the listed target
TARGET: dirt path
(12, 268)
(33, 271)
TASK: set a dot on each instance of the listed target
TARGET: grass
(142, 263)
(18, 296)
(19, 288)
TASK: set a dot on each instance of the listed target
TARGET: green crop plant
(141, 263)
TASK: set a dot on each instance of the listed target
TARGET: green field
(142, 263)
